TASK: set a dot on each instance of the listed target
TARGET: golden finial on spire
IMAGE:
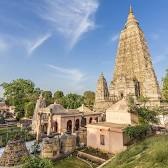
(131, 10)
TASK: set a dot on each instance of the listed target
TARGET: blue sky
(66, 44)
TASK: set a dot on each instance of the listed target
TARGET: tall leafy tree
(165, 86)
(29, 109)
(89, 98)
(48, 97)
(58, 95)
(72, 101)
(18, 92)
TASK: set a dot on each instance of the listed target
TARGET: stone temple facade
(133, 73)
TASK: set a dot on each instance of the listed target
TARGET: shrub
(137, 132)
(35, 162)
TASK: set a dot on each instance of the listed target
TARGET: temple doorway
(90, 120)
(55, 126)
(96, 119)
(44, 128)
(83, 122)
(69, 126)
(77, 125)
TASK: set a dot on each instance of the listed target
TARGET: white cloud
(72, 74)
(31, 46)
(115, 37)
(72, 18)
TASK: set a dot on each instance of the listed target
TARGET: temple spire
(131, 18)
(131, 10)
(102, 93)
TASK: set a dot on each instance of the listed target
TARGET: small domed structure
(56, 108)
(51, 148)
(68, 143)
(14, 153)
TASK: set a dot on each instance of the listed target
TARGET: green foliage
(35, 162)
(29, 109)
(71, 162)
(48, 97)
(10, 133)
(2, 119)
(58, 94)
(147, 116)
(137, 132)
(19, 92)
(89, 98)
(72, 101)
(165, 86)
(152, 152)
(1, 99)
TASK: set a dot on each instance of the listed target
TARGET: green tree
(48, 97)
(89, 98)
(29, 109)
(72, 101)
(165, 86)
(59, 96)
(19, 92)
(137, 132)
(147, 116)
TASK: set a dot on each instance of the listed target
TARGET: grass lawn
(71, 162)
(150, 153)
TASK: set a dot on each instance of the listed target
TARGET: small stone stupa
(14, 153)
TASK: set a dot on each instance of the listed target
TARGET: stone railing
(90, 157)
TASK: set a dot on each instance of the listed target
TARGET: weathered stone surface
(41, 103)
(133, 73)
(102, 93)
(68, 143)
(120, 113)
(14, 153)
(51, 148)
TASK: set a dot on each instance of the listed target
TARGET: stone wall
(14, 153)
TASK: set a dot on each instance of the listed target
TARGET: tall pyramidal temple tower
(102, 89)
(133, 73)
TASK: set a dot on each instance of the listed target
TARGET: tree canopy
(165, 86)
(23, 95)
(19, 92)
(48, 97)
(89, 98)
(72, 101)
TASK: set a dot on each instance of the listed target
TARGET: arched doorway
(96, 119)
(44, 128)
(90, 120)
(77, 125)
(69, 126)
(83, 122)
(55, 126)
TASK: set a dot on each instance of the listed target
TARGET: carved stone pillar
(49, 124)
(38, 133)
